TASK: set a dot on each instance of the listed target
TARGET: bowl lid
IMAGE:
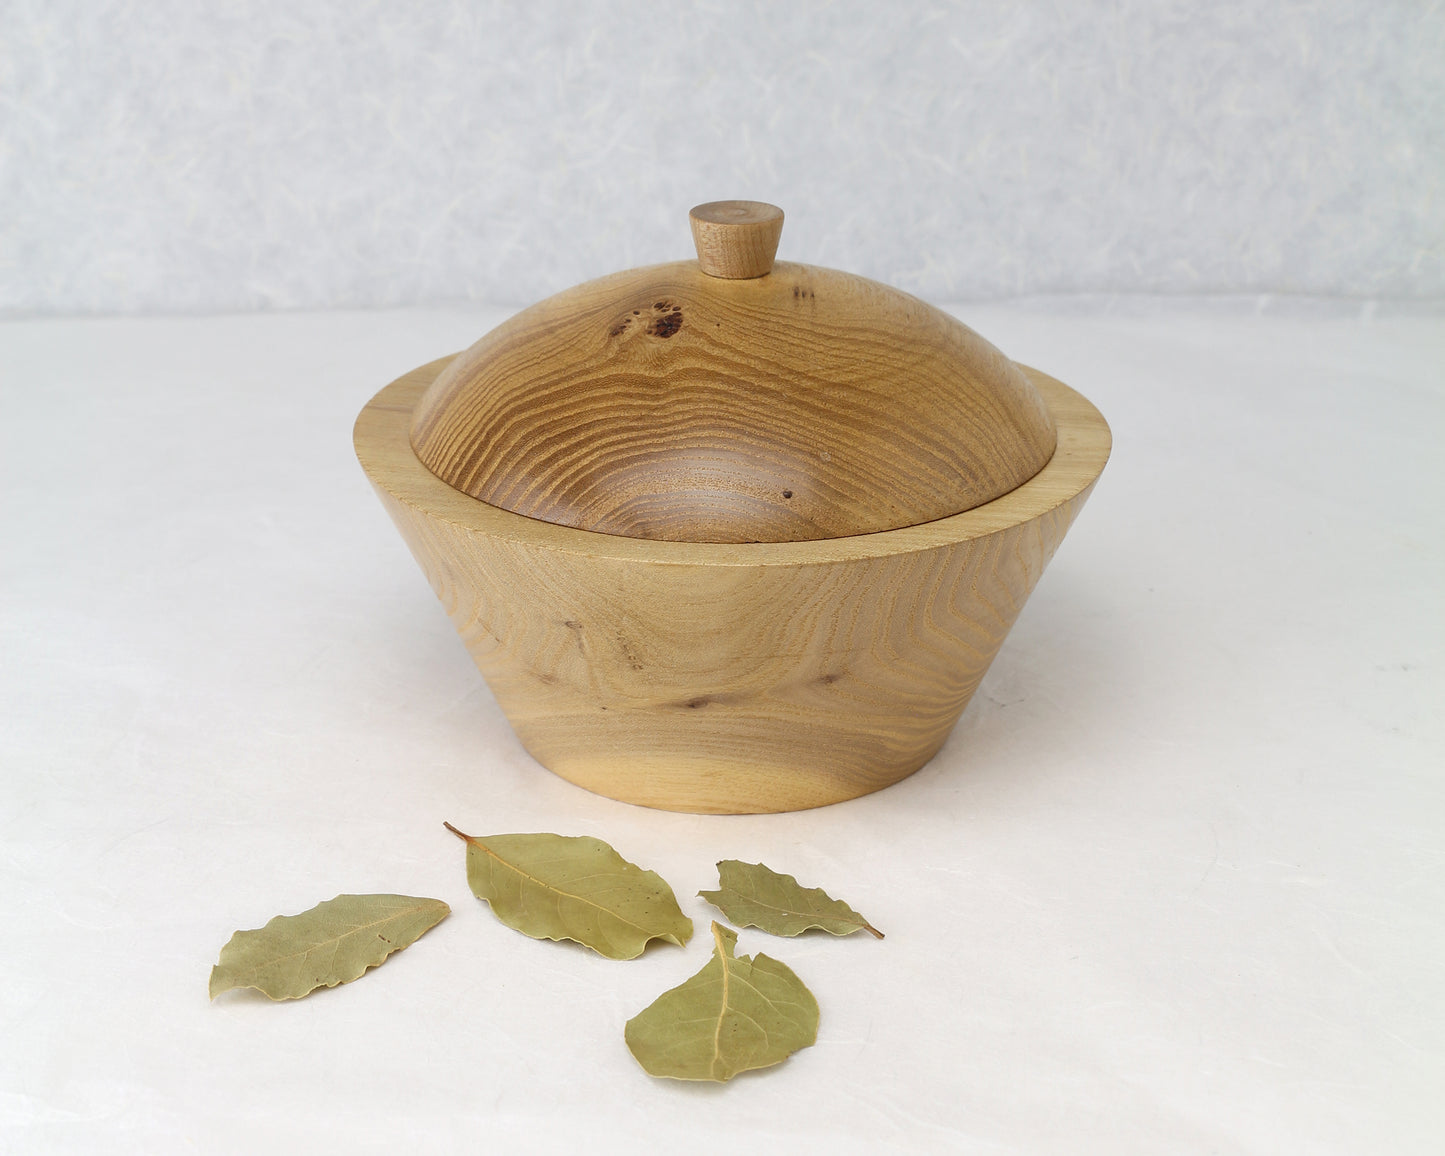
(733, 399)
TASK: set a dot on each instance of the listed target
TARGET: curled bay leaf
(335, 942)
(573, 887)
(752, 895)
(737, 1013)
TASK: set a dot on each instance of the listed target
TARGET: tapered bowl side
(731, 678)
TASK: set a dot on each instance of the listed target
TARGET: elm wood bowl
(732, 541)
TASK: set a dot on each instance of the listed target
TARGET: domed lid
(733, 399)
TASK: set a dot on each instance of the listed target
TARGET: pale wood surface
(736, 239)
(723, 677)
(664, 403)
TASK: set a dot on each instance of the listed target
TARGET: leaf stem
(469, 839)
(873, 931)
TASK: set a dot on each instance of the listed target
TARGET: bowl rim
(382, 439)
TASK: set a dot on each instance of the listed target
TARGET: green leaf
(573, 887)
(737, 1013)
(334, 942)
(752, 895)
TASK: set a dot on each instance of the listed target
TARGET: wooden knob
(736, 239)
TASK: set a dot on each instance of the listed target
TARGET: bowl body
(731, 678)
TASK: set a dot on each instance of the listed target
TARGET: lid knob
(736, 239)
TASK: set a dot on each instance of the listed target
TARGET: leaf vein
(334, 942)
(552, 887)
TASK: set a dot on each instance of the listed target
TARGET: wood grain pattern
(722, 677)
(666, 404)
(736, 239)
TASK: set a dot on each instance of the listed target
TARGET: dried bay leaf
(335, 942)
(752, 895)
(573, 887)
(737, 1013)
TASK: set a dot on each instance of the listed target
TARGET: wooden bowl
(724, 540)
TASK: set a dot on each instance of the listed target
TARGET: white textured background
(161, 156)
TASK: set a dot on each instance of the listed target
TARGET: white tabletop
(1174, 885)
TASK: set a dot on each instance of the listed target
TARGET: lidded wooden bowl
(730, 534)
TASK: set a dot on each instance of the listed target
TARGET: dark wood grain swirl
(662, 403)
